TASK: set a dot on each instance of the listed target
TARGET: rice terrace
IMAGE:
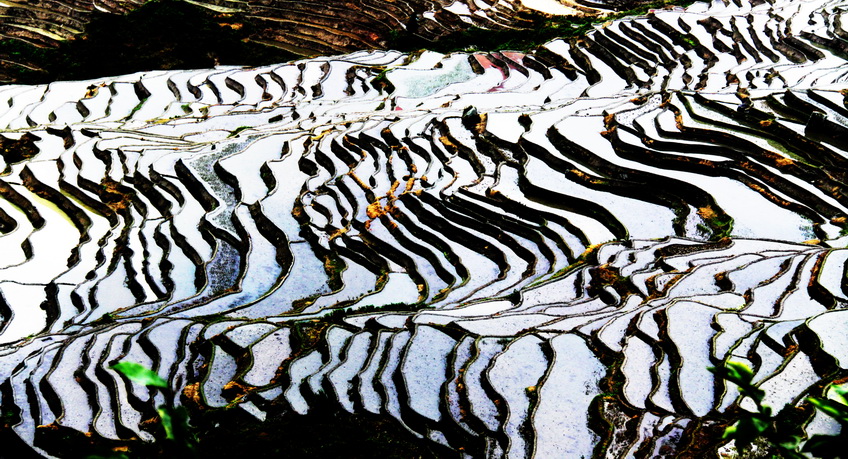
(423, 228)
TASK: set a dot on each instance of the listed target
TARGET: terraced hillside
(46, 40)
(511, 255)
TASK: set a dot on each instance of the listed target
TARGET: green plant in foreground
(178, 435)
(752, 426)
(831, 446)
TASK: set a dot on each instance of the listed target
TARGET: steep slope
(44, 41)
(509, 254)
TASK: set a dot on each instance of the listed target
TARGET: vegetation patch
(161, 34)
(175, 34)
(781, 434)
(538, 30)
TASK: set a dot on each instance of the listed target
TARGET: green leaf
(730, 431)
(759, 425)
(740, 372)
(747, 429)
(842, 392)
(833, 409)
(791, 443)
(755, 393)
(140, 374)
(167, 423)
(825, 446)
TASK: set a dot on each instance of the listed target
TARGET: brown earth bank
(49, 41)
